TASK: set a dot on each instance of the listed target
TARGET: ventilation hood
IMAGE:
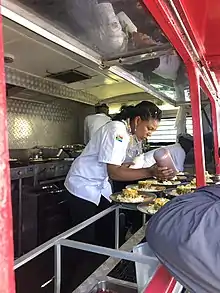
(104, 49)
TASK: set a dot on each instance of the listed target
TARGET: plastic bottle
(163, 159)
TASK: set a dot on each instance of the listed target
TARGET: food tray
(112, 287)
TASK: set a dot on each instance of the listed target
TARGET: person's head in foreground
(184, 235)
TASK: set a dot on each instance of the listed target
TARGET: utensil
(147, 197)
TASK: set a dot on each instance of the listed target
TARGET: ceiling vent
(69, 76)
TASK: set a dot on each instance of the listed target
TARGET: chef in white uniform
(93, 122)
(178, 152)
(88, 177)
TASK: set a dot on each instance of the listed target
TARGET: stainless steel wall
(54, 124)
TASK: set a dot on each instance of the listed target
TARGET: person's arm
(121, 173)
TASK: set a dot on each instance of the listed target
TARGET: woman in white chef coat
(103, 157)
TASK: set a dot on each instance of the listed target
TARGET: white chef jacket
(134, 149)
(169, 65)
(88, 177)
(176, 151)
(92, 123)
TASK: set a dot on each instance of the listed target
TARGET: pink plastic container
(163, 159)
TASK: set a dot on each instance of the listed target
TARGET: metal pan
(147, 197)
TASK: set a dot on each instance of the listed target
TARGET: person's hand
(142, 40)
(161, 173)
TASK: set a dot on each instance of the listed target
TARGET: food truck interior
(62, 58)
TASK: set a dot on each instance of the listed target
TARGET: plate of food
(168, 183)
(133, 196)
(165, 183)
(180, 190)
(208, 177)
(154, 207)
(141, 186)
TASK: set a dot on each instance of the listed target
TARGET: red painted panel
(204, 21)
(6, 235)
(162, 282)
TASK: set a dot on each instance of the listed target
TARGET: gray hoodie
(185, 236)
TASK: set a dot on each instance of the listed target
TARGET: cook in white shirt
(93, 122)
(178, 152)
(88, 177)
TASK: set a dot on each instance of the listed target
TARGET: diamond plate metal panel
(47, 86)
(31, 124)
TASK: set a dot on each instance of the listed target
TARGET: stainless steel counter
(42, 171)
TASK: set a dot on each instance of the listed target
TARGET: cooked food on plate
(149, 185)
(146, 184)
(130, 195)
(169, 182)
(129, 192)
(182, 189)
(207, 177)
(158, 203)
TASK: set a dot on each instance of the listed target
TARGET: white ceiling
(36, 55)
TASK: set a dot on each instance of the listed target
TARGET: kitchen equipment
(23, 155)
(112, 287)
(50, 152)
(145, 272)
(73, 150)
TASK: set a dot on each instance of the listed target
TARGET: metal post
(215, 122)
(57, 268)
(194, 79)
(215, 111)
(144, 219)
(7, 284)
(20, 216)
(117, 235)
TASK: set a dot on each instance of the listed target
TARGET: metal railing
(61, 240)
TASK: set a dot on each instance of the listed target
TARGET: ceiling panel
(35, 55)
(118, 89)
